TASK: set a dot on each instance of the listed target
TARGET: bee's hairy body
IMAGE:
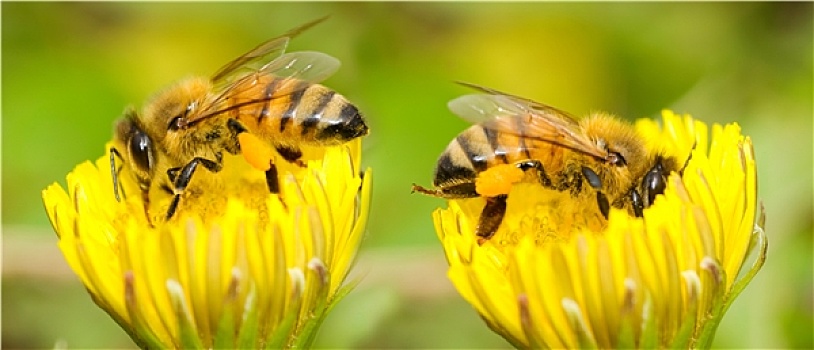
(477, 149)
(599, 161)
(272, 100)
(310, 114)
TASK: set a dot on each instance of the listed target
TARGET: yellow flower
(239, 270)
(664, 280)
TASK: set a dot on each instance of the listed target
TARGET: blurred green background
(69, 69)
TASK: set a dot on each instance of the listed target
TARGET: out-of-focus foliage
(69, 70)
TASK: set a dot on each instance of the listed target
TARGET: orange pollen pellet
(497, 180)
(255, 151)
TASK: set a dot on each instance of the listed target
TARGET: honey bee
(598, 160)
(265, 99)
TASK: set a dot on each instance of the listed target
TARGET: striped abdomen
(298, 112)
(477, 149)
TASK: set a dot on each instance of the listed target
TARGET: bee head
(655, 180)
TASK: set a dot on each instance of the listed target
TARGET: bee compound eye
(141, 150)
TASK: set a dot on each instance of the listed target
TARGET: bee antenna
(687, 162)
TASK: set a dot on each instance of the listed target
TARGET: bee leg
(235, 126)
(115, 172)
(456, 191)
(687, 162)
(427, 191)
(638, 203)
(602, 201)
(272, 180)
(180, 178)
(490, 218)
(290, 153)
(541, 174)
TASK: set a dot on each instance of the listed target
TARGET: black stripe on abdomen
(447, 170)
(349, 112)
(264, 112)
(478, 160)
(293, 102)
(494, 141)
(310, 123)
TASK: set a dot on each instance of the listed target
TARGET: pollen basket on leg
(498, 180)
(256, 151)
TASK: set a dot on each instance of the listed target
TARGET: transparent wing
(502, 103)
(480, 108)
(250, 75)
(525, 118)
(294, 68)
(309, 66)
(263, 53)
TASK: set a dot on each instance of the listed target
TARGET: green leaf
(684, 337)
(138, 332)
(650, 336)
(250, 328)
(225, 335)
(574, 314)
(310, 328)
(187, 333)
(627, 335)
(716, 312)
(283, 331)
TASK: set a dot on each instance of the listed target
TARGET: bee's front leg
(462, 189)
(538, 167)
(637, 202)
(180, 177)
